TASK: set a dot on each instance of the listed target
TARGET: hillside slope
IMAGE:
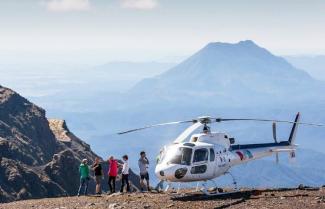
(38, 158)
(314, 65)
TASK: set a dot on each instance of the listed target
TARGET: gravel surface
(286, 198)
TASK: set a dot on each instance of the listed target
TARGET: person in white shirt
(125, 174)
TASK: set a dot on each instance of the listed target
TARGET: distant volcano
(230, 73)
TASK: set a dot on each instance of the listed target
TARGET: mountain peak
(246, 48)
(245, 43)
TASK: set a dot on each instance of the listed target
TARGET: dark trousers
(111, 183)
(83, 182)
(125, 180)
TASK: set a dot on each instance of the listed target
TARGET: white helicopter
(208, 155)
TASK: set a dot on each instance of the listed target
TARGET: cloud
(67, 5)
(139, 4)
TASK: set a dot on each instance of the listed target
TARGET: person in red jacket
(112, 173)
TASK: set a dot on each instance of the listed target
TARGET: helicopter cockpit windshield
(180, 156)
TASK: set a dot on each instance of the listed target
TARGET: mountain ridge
(39, 157)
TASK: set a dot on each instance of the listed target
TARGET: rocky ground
(281, 198)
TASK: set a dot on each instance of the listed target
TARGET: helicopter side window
(200, 155)
(199, 169)
(212, 155)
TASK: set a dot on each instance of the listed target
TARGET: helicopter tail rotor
(292, 137)
(293, 132)
(275, 140)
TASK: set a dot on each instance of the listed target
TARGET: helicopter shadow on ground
(222, 196)
(239, 196)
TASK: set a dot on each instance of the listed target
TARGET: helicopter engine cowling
(214, 138)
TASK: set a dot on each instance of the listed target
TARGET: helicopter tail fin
(293, 132)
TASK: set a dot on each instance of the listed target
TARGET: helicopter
(202, 157)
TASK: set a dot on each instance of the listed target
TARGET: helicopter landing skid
(215, 191)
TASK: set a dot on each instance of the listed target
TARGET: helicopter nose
(171, 173)
(163, 173)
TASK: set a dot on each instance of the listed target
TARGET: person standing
(112, 173)
(97, 168)
(84, 176)
(125, 174)
(144, 174)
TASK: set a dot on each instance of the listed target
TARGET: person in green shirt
(84, 176)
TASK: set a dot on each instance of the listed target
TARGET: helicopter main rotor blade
(155, 125)
(207, 120)
(267, 120)
(181, 138)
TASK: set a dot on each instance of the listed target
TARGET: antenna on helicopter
(206, 129)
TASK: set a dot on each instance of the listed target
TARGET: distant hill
(42, 80)
(133, 70)
(314, 65)
(75, 88)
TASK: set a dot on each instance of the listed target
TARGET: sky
(95, 31)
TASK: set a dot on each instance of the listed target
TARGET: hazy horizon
(97, 58)
(99, 31)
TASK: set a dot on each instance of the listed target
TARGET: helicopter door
(200, 163)
(212, 162)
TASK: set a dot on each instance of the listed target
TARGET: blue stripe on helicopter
(248, 154)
